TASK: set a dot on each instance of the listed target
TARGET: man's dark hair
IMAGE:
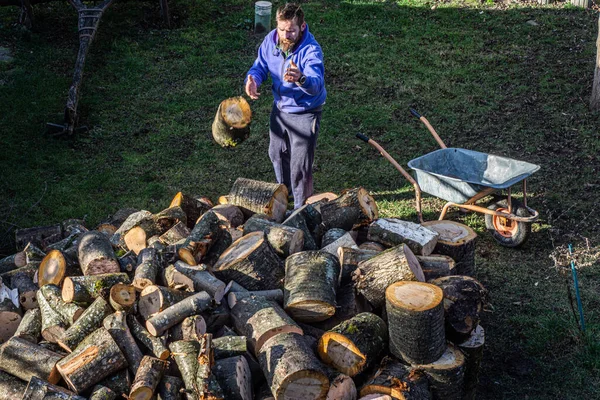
(289, 11)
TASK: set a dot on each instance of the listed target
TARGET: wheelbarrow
(464, 177)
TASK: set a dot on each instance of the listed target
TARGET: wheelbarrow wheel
(507, 232)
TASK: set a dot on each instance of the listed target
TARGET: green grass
(485, 78)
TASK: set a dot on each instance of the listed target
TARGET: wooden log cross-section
(457, 241)
(56, 265)
(27, 290)
(232, 122)
(260, 197)
(205, 233)
(446, 374)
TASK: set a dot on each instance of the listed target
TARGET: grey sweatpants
(292, 150)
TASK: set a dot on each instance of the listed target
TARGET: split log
(230, 214)
(57, 265)
(415, 313)
(155, 299)
(69, 312)
(275, 295)
(472, 348)
(147, 378)
(95, 358)
(291, 369)
(169, 388)
(354, 345)
(122, 297)
(185, 354)
(374, 246)
(341, 386)
(30, 327)
(27, 290)
(348, 304)
(311, 279)
(392, 232)
(84, 289)
(234, 377)
(345, 241)
(96, 255)
(193, 206)
(349, 259)
(398, 381)
(206, 232)
(87, 323)
(38, 389)
(152, 343)
(100, 392)
(446, 375)
(178, 232)
(11, 387)
(232, 122)
(332, 235)
(260, 197)
(202, 280)
(191, 328)
(259, 319)
(436, 265)
(39, 236)
(24, 359)
(176, 313)
(116, 325)
(173, 279)
(53, 324)
(353, 208)
(229, 346)
(206, 381)
(374, 275)
(457, 241)
(464, 300)
(252, 262)
(303, 218)
(285, 240)
(147, 269)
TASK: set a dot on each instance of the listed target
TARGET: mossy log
(95, 358)
(203, 280)
(291, 369)
(27, 290)
(353, 208)
(178, 232)
(252, 262)
(176, 313)
(116, 325)
(11, 387)
(230, 214)
(192, 205)
(69, 312)
(374, 275)
(100, 392)
(464, 300)
(260, 319)
(122, 297)
(457, 241)
(260, 197)
(205, 233)
(311, 279)
(24, 359)
(472, 348)
(57, 265)
(415, 313)
(398, 381)
(185, 354)
(152, 343)
(231, 125)
(39, 236)
(436, 265)
(285, 240)
(341, 386)
(39, 389)
(147, 378)
(96, 255)
(349, 259)
(274, 295)
(446, 375)
(88, 322)
(392, 232)
(191, 328)
(355, 344)
(169, 388)
(30, 328)
(84, 289)
(147, 269)
(53, 324)
(234, 377)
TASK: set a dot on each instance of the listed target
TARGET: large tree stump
(259, 319)
(96, 255)
(24, 359)
(39, 389)
(232, 122)
(192, 205)
(392, 232)
(116, 325)
(285, 240)
(353, 208)
(349, 259)
(291, 369)
(457, 241)
(311, 279)
(234, 377)
(446, 375)
(97, 357)
(27, 290)
(260, 197)
(373, 276)
(464, 300)
(251, 262)
(176, 313)
(355, 344)
(155, 299)
(57, 265)
(205, 233)
(88, 322)
(152, 343)
(415, 313)
(11, 387)
(398, 381)
(147, 378)
(69, 312)
(30, 327)
(84, 289)
(53, 325)
(472, 348)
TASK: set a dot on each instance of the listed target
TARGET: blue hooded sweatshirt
(308, 56)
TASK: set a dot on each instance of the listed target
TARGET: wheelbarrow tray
(457, 175)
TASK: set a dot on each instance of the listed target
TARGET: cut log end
(337, 350)
(236, 112)
(311, 310)
(414, 296)
(143, 393)
(122, 296)
(304, 385)
(136, 239)
(52, 269)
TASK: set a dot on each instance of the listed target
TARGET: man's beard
(286, 44)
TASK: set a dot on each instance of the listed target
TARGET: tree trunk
(595, 98)
(354, 208)
(147, 269)
(415, 313)
(285, 240)
(30, 327)
(152, 343)
(96, 255)
(392, 232)
(260, 197)
(436, 265)
(232, 122)
(275, 295)
(234, 377)
(155, 299)
(176, 313)
(11, 387)
(354, 345)
(147, 378)
(84, 289)
(457, 241)
(27, 290)
(38, 389)
(24, 359)
(69, 312)
(122, 297)
(57, 265)
(349, 259)
(398, 381)
(116, 325)
(473, 351)
(446, 375)
(88, 322)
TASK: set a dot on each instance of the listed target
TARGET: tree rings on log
(392, 232)
(355, 344)
(398, 381)
(457, 241)
(231, 125)
(122, 297)
(311, 279)
(291, 369)
(415, 313)
(56, 265)
(260, 197)
(373, 276)
(24, 359)
(251, 262)
(446, 374)
(473, 351)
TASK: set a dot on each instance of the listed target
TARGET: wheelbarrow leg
(472, 200)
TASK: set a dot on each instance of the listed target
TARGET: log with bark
(275, 295)
(217, 316)
(230, 214)
(348, 304)
(392, 232)
(191, 328)
(69, 312)
(229, 346)
(84, 289)
(373, 276)
(231, 125)
(185, 354)
(123, 297)
(353, 208)
(331, 236)
(88, 322)
(27, 290)
(151, 342)
(100, 392)
(53, 324)
(155, 299)
(39, 389)
(176, 313)
(169, 388)
(192, 205)
(39, 236)
(11, 387)
(142, 225)
(436, 265)
(116, 325)
(134, 219)
(147, 378)
(472, 348)
(57, 265)
(202, 280)
(354, 345)
(147, 269)
(119, 382)
(305, 218)
(285, 240)
(374, 246)
(178, 232)
(10, 317)
(96, 255)
(311, 279)
(415, 313)
(12, 262)
(251, 262)
(349, 259)
(341, 386)
(260, 197)
(110, 225)
(30, 328)
(24, 359)
(446, 375)
(206, 382)
(457, 241)
(205, 233)
(234, 377)
(398, 381)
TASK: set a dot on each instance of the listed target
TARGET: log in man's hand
(251, 88)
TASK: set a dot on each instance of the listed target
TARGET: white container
(262, 16)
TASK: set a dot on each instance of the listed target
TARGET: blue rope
(576, 283)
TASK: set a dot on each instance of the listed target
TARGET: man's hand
(293, 73)
(251, 88)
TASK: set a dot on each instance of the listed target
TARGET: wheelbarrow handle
(415, 113)
(362, 137)
(429, 127)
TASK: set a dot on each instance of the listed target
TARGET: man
(294, 59)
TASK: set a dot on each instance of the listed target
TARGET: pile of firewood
(242, 300)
